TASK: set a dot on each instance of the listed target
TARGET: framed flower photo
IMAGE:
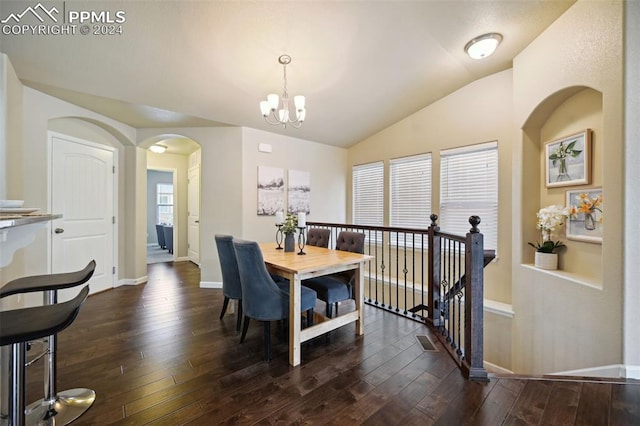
(568, 160)
(586, 215)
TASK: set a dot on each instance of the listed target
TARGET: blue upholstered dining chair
(168, 238)
(318, 237)
(160, 234)
(335, 288)
(262, 299)
(231, 287)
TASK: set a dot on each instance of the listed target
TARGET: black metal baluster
(382, 268)
(422, 271)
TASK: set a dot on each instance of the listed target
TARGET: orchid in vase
(549, 220)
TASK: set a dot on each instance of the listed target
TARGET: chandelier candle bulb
(273, 100)
(264, 108)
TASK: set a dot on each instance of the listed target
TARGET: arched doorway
(177, 165)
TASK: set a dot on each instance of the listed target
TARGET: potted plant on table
(549, 220)
(288, 228)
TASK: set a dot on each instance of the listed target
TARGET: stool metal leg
(58, 408)
(17, 379)
(5, 385)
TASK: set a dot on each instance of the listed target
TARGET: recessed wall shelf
(569, 276)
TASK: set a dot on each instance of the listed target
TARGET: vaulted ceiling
(362, 65)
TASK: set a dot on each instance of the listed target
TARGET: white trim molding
(493, 368)
(131, 281)
(614, 371)
(210, 284)
(498, 308)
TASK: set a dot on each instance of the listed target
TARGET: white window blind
(410, 191)
(469, 186)
(368, 194)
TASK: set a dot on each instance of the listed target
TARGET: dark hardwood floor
(158, 354)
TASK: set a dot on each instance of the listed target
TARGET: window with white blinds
(410, 191)
(469, 186)
(368, 194)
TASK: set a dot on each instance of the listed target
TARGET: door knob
(58, 230)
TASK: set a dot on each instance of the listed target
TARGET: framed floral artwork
(586, 215)
(568, 160)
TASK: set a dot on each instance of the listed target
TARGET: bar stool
(58, 407)
(18, 327)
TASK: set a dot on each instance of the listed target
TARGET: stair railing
(432, 277)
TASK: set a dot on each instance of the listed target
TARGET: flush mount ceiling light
(281, 105)
(483, 46)
(157, 148)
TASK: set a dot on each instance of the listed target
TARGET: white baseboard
(493, 368)
(631, 372)
(131, 281)
(210, 284)
(181, 259)
(498, 308)
(614, 371)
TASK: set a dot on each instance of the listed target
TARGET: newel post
(474, 303)
(434, 273)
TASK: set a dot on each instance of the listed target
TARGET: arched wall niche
(563, 113)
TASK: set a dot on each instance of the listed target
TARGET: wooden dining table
(315, 262)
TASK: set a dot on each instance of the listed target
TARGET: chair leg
(329, 309)
(267, 341)
(310, 317)
(245, 327)
(224, 306)
(239, 315)
(336, 308)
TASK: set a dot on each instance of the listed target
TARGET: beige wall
(41, 114)
(11, 158)
(631, 346)
(327, 166)
(579, 112)
(563, 320)
(221, 184)
(12, 117)
(466, 117)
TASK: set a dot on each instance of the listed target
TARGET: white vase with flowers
(550, 219)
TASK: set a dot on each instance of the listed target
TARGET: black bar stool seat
(48, 282)
(59, 407)
(19, 326)
(26, 324)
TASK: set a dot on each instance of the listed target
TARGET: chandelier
(276, 111)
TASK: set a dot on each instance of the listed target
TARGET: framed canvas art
(568, 160)
(270, 190)
(586, 220)
(299, 192)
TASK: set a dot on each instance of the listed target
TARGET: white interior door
(82, 190)
(193, 201)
